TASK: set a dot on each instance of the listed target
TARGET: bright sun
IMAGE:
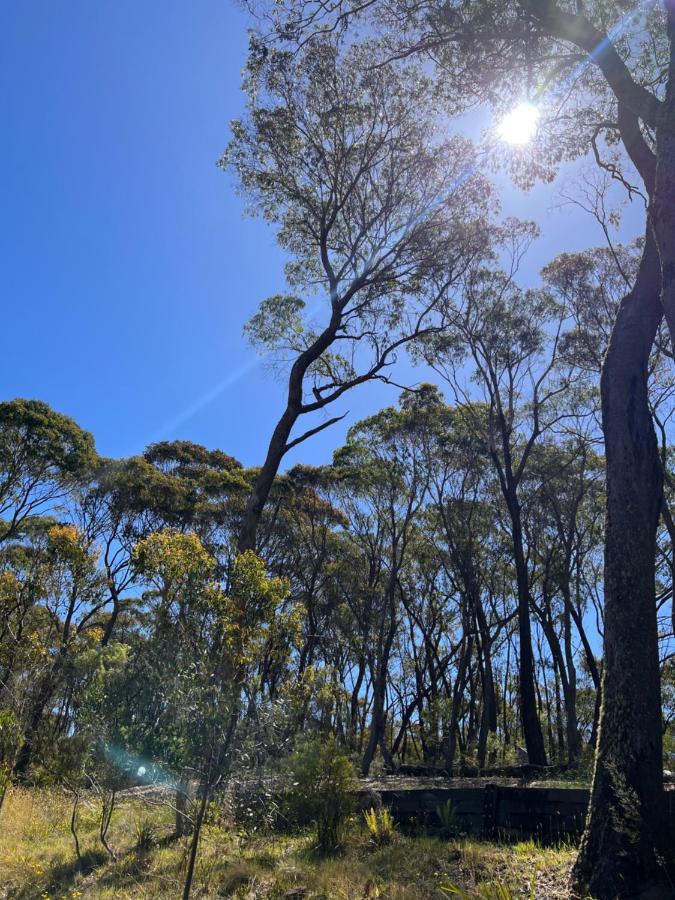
(520, 125)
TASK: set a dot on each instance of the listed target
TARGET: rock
(369, 799)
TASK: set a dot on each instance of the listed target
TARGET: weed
(491, 890)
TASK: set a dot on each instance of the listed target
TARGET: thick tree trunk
(621, 847)
(279, 441)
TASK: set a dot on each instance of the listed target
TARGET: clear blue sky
(127, 268)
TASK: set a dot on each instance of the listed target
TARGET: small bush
(323, 790)
(254, 806)
(380, 825)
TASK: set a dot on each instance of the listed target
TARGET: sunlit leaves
(173, 559)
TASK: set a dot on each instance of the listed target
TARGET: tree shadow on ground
(130, 867)
(134, 867)
(63, 875)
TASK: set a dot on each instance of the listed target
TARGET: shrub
(323, 789)
(145, 833)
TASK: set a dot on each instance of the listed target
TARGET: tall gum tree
(499, 331)
(374, 207)
(608, 70)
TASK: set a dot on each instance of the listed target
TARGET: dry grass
(37, 860)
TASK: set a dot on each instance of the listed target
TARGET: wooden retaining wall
(498, 812)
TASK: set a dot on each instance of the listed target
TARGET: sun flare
(520, 125)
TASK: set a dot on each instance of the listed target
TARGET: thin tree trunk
(194, 843)
(183, 820)
(534, 739)
(354, 704)
(457, 697)
(73, 825)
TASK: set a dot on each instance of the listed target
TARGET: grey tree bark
(621, 849)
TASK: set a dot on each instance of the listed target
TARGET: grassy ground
(37, 860)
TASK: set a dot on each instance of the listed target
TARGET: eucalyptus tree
(382, 481)
(175, 484)
(602, 76)
(43, 454)
(501, 332)
(305, 548)
(427, 652)
(623, 88)
(591, 283)
(372, 203)
(562, 520)
(461, 504)
(68, 598)
(215, 632)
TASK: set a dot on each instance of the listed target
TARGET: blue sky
(127, 267)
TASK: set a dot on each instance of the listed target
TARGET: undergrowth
(37, 860)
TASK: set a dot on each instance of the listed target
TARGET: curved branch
(577, 30)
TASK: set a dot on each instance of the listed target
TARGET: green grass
(37, 860)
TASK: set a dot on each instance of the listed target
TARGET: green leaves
(47, 442)
(277, 324)
(173, 560)
(42, 453)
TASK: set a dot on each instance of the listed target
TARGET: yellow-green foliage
(246, 614)
(173, 559)
(380, 825)
(37, 860)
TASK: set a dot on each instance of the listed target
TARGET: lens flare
(520, 125)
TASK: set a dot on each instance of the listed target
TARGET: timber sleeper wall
(497, 812)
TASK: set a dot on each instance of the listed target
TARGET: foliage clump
(323, 789)
(380, 825)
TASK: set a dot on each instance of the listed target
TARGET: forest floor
(37, 860)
